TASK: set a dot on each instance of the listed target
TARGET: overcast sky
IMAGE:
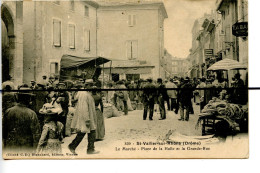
(181, 16)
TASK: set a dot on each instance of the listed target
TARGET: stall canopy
(227, 64)
(69, 61)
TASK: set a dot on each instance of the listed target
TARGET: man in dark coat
(63, 99)
(162, 96)
(239, 93)
(8, 98)
(148, 98)
(40, 99)
(123, 95)
(21, 129)
(185, 95)
(132, 92)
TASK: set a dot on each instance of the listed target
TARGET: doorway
(115, 77)
(132, 77)
(7, 26)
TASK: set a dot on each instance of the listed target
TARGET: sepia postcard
(124, 79)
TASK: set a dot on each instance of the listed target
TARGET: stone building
(12, 41)
(37, 34)
(53, 29)
(213, 38)
(175, 66)
(235, 47)
(132, 33)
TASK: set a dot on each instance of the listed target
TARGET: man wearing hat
(63, 99)
(8, 82)
(40, 99)
(172, 94)
(162, 96)
(8, 98)
(44, 80)
(148, 98)
(239, 94)
(122, 95)
(185, 95)
(33, 85)
(50, 82)
(21, 129)
(84, 120)
(89, 83)
(56, 81)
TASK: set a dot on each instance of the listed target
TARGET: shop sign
(240, 29)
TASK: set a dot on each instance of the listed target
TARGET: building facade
(12, 41)
(213, 37)
(37, 34)
(53, 29)
(175, 66)
(132, 33)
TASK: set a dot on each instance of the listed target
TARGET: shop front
(127, 70)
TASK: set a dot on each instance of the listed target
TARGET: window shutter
(128, 50)
(134, 20)
(56, 32)
(134, 49)
(130, 20)
(72, 36)
(87, 39)
(86, 11)
(72, 5)
(227, 32)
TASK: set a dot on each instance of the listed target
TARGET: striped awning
(227, 64)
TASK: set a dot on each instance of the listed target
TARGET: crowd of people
(36, 117)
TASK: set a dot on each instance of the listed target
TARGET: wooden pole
(227, 79)
(103, 75)
(110, 75)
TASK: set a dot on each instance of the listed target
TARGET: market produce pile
(221, 107)
(110, 111)
(231, 113)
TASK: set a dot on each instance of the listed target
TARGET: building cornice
(136, 6)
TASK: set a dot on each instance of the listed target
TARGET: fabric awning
(69, 61)
(227, 64)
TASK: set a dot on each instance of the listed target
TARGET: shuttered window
(86, 11)
(56, 32)
(86, 39)
(71, 36)
(131, 20)
(72, 5)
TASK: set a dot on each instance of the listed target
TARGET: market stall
(220, 117)
(227, 65)
(75, 68)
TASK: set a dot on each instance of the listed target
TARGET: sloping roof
(69, 61)
(227, 64)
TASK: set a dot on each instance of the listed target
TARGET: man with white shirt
(172, 94)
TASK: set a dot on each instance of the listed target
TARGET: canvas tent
(74, 67)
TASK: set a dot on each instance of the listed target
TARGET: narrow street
(132, 128)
